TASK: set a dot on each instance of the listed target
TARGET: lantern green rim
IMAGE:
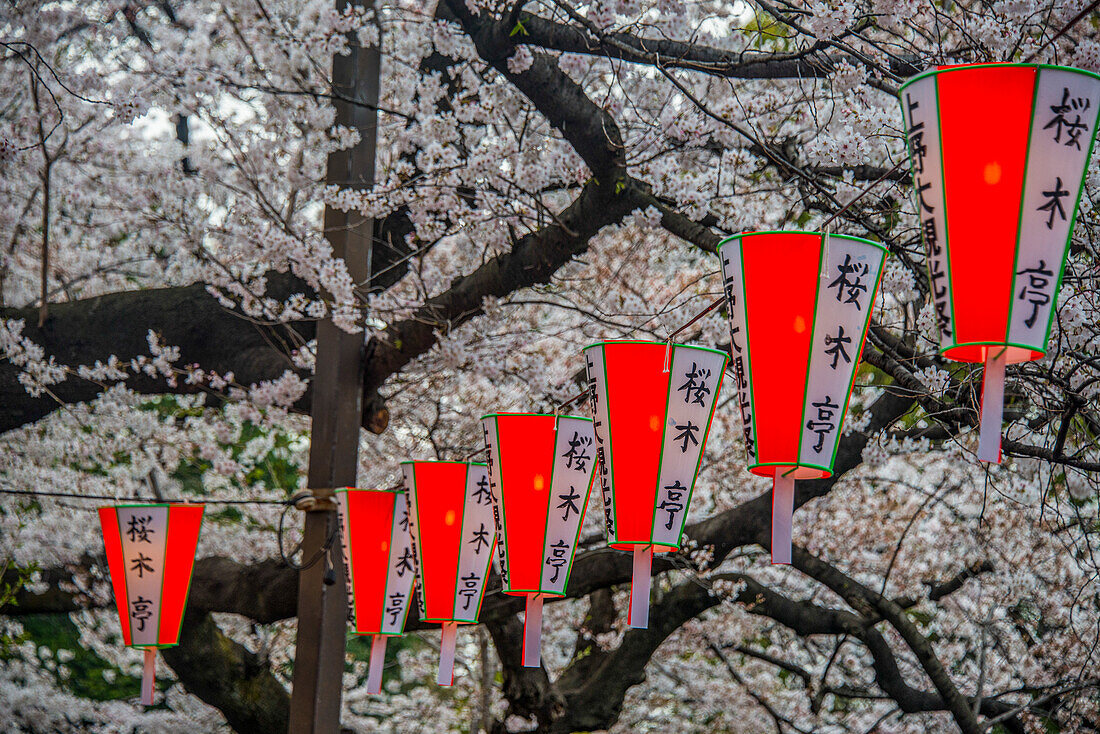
(447, 620)
(535, 415)
(1042, 352)
(993, 64)
(154, 647)
(439, 461)
(345, 490)
(528, 592)
(799, 465)
(648, 341)
(357, 633)
(732, 237)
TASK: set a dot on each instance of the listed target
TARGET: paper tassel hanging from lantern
(541, 471)
(998, 153)
(796, 331)
(378, 557)
(653, 404)
(150, 555)
(451, 519)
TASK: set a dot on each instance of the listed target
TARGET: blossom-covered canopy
(998, 154)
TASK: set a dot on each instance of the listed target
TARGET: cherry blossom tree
(549, 173)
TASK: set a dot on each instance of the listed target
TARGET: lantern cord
(287, 557)
(1065, 29)
(151, 500)
(474, 453)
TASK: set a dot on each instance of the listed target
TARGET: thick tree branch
(226, 675)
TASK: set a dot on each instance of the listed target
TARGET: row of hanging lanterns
(997, 204)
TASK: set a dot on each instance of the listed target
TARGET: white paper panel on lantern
(574, 461)
(594, 363)
(402, 573)
(1066, 107)
(478, 540)
(844, 301)
(696, 378)
(921, 114)
(733, 275)
(144, 533)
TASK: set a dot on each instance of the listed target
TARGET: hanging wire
(152, 500)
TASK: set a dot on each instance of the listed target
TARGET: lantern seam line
(748, 352)
(503, 529)
(1020, 214)
(670, 353)
(549, 496)
(345, 526)
(461, 540)
(163, 573)
(822, 253)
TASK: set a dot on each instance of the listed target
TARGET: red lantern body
(797, 331)
(541, 471)
(150, 554)
(451, 520)
(653, 404)
(379, 559)
(998, 153)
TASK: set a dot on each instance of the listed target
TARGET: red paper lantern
(999, 153)
(540, 471)
(379, 559)
(451, 520)
(653, 403)
(797, 332)
(150, 554)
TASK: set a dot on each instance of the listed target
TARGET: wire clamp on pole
(318, 499)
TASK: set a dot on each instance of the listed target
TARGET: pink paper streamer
(782, 517)
(532, 632)
(377, 659)
(993, 403)
(639, 587)
(447, 654)
(148, 676)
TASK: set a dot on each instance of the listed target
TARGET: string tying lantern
(541, 471)
(997, 200)
(150, 556)
(451, 520)
(653, 403)
(795, 351)
(378, 556)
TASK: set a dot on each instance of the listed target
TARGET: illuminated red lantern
(653, 404)
(796, 332)
(540, 470)
(451, 520)
(150, 555)
(999, 153)
(379, 559)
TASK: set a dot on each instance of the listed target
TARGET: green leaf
(518, 29)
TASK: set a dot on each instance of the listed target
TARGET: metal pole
(336, 411)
